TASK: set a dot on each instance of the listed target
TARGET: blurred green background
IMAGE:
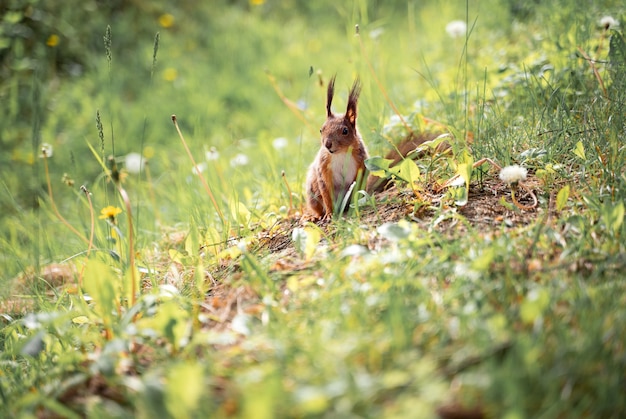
(213, 69)
(341, 334)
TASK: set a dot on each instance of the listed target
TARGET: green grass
(409, 306)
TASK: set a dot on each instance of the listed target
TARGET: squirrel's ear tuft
(329, 95)
(353, 99)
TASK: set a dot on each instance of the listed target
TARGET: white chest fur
(344, 169)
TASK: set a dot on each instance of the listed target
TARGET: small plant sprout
(511, 175)
(514, 176)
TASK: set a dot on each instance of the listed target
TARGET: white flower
(212, 154)
(46, 150)
(456, 28)
(513, 174)
(239, 160)
(280, 143)
(608, 22)
(134, 163)
(199, 168)
(376, 33)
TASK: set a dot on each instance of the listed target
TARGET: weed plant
(161, 269)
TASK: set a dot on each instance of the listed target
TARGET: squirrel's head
(339, 131)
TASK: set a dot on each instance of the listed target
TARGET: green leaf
(13, 17)
(378, 166)
(579, 150)
(533, 306)
(482, 263)
(170, 322)
(435, 142)
(408, 171)
(311, 400)
(562, 197)
(184, 389)
(613, 215)
(102, 285)
(240, 213)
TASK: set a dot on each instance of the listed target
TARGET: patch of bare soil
(228, 295)
(489, 206)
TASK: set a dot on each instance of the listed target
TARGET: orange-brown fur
(340, 160)
(406, 147)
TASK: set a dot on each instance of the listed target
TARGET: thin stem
(475, 165)
(131, 244)
(288, 191)
(530, 192)
(292, 106)
(380, 85)
(151, 192)
(595, 71)
(91, 234)
(193, 161)
(54, 207)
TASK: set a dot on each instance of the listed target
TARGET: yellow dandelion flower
(170, 74)
(53, 40)
(166, 20)
(148, 152)
(257, 2)
(109, 212)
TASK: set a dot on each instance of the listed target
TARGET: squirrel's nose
(329, 145)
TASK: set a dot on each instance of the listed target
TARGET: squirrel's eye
(345, 131)
(320, 130)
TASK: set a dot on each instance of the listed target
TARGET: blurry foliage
(38, 38)
(41, 44)
(617, 57)
(365, 321)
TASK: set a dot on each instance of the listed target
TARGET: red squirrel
(341, 159)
